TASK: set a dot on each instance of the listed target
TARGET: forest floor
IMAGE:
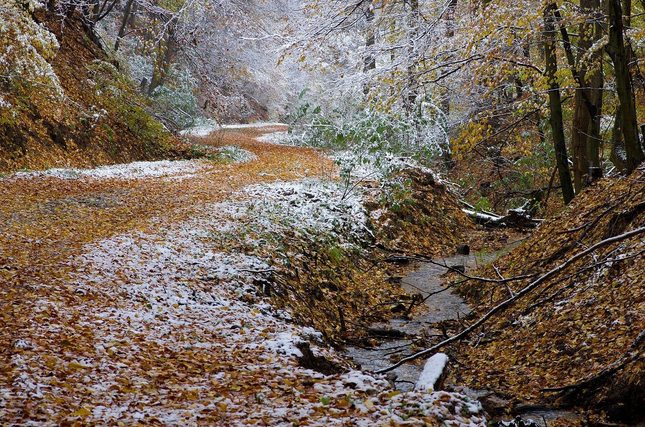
(118, 303)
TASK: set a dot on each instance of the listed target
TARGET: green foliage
(27, 48)
(371, 131)
(175, 101)
(398, 195)
(483, 204)
(115, 93)
(336, 253)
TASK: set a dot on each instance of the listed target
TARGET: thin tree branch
(507, 303)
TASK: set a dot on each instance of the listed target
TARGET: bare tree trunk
(597, 82)
(369, 62)
(555, 103)
(585, 132)
(449, 19)
(632, 59)
(166, 53)
(579, 139)
(618, 156)
(624, 87)
(124, 24)
(412, 90)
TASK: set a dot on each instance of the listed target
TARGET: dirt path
(47, 224)
(47, 221)
(118, 305)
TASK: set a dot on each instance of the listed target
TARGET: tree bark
(624, 86)
(124, 24)
(449, 19)
(618, 156)
(585, 132)
(369, 62)
(412, 92)
(555, 103)
(166, 53)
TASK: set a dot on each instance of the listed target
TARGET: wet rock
(399, 308)
(518, 422)
(386, 333)
(495, 405)
(463, 250)
(317, 363)
(458, 268)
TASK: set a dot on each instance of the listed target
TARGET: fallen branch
(421, 258)
(508, 302)
(515, 218)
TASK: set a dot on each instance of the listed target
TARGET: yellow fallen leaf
(75, 366)
(83, 412)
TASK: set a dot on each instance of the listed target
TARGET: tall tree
(588, 73)
(555, 102)
(124, 24)
(370, 40)
(624, 87)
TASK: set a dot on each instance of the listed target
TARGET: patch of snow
(206, 127)
(432, 372)
(361, 381)
(202, 127)
(285, 343)
(201, 130)
(135, 170)
(253, 125)
(481, 215)
(235, 154)
(312, 204)
(280, 138)
(376, 166)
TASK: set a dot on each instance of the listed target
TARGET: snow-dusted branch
(508, 302)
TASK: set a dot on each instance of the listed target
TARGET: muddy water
(441, 304)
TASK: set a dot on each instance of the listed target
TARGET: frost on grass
(311, 206)
(376, 166)
(234, 154)
(136, 170)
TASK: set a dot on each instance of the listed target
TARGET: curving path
(117, 305)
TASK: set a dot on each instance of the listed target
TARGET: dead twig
(421, 258)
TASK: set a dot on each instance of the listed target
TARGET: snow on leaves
(136, 311)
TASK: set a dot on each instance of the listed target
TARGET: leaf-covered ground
(579, 322)
(122, 302)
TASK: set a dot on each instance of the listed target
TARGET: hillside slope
(62, 103)
(582, 329)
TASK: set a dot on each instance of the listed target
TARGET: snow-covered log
(515, 218)
(432, 372)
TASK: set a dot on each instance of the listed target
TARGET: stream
(441, 304)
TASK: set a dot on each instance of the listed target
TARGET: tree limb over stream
(508, 302)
